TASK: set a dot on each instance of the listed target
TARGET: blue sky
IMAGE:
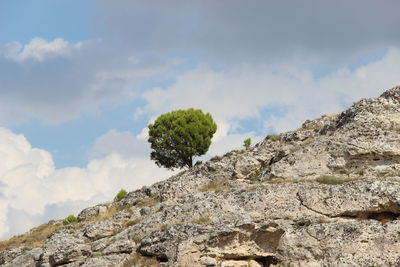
(81, 80)
(23, 20)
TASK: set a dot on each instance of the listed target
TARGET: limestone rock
(326, 194)
(92, 212)
(100, 229)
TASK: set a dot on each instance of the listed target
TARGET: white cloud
(39, 49)
(56, 80)
(123, 143)
(292, 95)
(30, 186)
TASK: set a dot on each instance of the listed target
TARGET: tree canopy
(179, 136)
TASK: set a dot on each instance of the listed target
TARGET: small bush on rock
(70, 219)
(121, 194)
(247, 143)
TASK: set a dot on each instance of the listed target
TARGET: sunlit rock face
(326, 194)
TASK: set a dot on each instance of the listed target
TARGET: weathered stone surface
(120, 246)
(92, 212)
(113, 260)
(100, 229)
(326, 194)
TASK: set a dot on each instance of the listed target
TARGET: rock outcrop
(326, 194)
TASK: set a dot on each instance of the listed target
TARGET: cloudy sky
(80, 81)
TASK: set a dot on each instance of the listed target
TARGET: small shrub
(247, 143)
(273, 137)
(199, 162)
(70, 219)
(121, 194)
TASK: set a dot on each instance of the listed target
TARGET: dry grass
(133, 222)
(334, 180)
(146, 202)
(282, 180)
(201, 220)
(273, 137)
(137, 259)
(34, 238)
(111, 211)
(216, 185)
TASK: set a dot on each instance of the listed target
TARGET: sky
(81, 80)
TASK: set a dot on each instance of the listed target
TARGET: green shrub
(70, 219)
(121, 194)
(247, 143)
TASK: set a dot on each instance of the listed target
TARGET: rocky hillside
(326, 194)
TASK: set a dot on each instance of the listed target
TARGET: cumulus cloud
(56, 80)
(32, 188)
(123, 143)
(38, 49)
(289, 94)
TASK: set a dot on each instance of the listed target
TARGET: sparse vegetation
(70, 219)
(147, 202)
(111, 211)
(247, 143)
(334, 180)
(165, 225)
(201, 220)
(280, 180)
(137, 259)
(215, 185)
(133, 222)
(273, 137)
(34, 238)
(137, 239)
(121, 194)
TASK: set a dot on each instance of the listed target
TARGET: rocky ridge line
(326, 194)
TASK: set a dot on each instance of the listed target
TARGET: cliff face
(326, 194)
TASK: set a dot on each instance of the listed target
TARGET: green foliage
(247, 143)
(70, 219)
(179, 136)
(121, 194)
